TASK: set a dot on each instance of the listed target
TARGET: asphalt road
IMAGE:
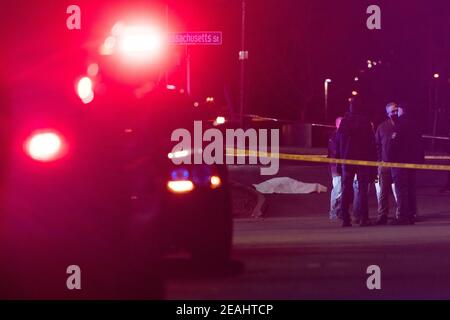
(296, 252)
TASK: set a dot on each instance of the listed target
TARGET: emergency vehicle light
(180, 186)
(45, 146)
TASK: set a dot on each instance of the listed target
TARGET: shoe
(400, 222)
(346, 224)
(381, 221)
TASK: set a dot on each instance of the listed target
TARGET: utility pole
(243, 55)
(188, 71)
(435, 109)
(166, 76)
(326, 84)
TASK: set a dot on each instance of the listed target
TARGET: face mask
(394, 117)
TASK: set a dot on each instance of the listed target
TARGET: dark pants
(361, 207)
(386, 181)
(405, 187)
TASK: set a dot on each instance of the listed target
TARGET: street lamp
(436, 76)
(243, 55)
(326, 83)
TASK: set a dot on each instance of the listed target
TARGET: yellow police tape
(322, 159)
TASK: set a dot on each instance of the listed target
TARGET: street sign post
(197, 38)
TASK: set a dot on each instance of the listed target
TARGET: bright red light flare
(45, 146)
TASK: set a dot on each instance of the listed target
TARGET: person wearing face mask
(382, 137)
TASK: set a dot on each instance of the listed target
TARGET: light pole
(436, 108)
(188, 71)
(166, 75)
(243, 55)
(326, 84)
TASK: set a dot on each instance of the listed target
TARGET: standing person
(336, 192)
(355, 141)
(382, 137)
(405, 146)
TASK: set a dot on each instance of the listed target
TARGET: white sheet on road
(288, 186)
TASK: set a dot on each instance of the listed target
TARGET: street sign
(196, 38)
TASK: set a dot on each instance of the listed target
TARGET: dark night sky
(293, 46)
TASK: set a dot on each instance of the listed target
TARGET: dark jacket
(332, 151)
(382, 138)
(355, 139)
(406, 144)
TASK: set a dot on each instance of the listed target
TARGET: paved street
(297, 253)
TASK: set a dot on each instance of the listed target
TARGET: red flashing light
(45, 146)
(85, 90)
